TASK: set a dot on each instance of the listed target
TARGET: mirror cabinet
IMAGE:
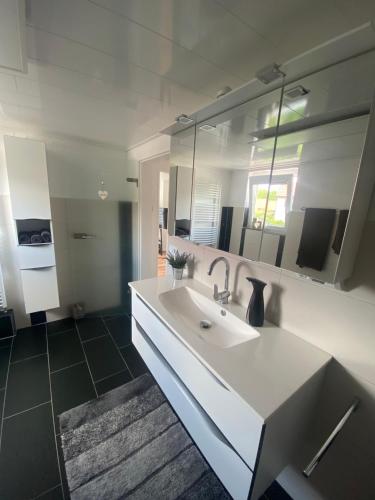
(285, 178)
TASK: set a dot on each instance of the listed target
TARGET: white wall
(88, 270)
(340, 322)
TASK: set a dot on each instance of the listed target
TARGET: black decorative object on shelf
(255, 310)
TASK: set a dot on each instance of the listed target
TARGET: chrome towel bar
(314, 462)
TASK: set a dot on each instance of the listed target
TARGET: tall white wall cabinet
(31, 210)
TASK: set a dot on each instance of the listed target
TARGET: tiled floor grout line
(60, 331)
(87, 361)
(66, 367)
(27, 409)
(5, 394)
(48, 491)
(94, 338)
(53, 416)
(117, 347)
(109, 376)
(26, 359)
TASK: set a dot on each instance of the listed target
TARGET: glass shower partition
(95, 220)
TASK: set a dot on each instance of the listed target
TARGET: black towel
(36, 239)
(341, 225)
(46, 235)
(315, 237)
(24, 238)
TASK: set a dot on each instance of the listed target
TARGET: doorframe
(147, 206)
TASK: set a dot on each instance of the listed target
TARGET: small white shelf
(34, 244)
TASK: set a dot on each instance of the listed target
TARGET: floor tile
(28, 460)
(64, 350)
(6, 342)
(28, 385)
(4, 362)
(120, 329)
(64, 480)
(276, 492)
(90, 328)
(134, 361)
(29, 342)
(103, 357)
(60, 326)
(70, 388)
(2, 394)
(112, 382)
(54, 494)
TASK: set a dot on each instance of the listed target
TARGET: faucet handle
(222, 297)
(216, 292)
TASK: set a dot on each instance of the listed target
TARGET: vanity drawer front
(237, 421)
(228, 466)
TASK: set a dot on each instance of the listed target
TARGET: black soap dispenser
(255, 310)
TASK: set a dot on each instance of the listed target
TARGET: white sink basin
(207, 319)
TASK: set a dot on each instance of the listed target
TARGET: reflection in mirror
(231, 174)
(180, 181)
(315, 168)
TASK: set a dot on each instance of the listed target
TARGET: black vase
(255, 310)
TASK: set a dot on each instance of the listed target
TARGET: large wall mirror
(274, 178)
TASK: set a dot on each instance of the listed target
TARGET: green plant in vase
(177, 260)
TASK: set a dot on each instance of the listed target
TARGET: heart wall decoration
(102, 194)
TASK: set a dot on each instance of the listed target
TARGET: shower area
(94, 204)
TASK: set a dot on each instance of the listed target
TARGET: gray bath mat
(129, 443)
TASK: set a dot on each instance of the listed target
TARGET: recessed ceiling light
(207, 127)
(184, 119)
(296, 92)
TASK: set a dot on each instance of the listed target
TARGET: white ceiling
(119, 71)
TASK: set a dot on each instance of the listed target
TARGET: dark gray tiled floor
(90, 328)
(54, 369)
(29, 342)
(28, 385)
(60, 325)
(113, 381)
(54, 494)
(134, 361)
(71, 387)
(120, 329)
(28, 458)
(275, 492)
(4, 359)
(65, 349)
(2, 395)
(103, 357)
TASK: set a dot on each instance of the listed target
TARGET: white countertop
(264, 371)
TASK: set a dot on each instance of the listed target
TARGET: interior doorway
(154, 193)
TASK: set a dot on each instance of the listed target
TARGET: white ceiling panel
(202, 26)
(119, 71)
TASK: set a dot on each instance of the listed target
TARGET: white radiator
(3, 300)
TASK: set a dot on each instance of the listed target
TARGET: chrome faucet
(221, 297)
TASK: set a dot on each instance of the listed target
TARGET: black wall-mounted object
(225, 228)
(7, 324)
(38, 317)
(255, 310)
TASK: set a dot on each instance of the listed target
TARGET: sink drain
(205, 324)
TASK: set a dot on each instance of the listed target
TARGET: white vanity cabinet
(245, 450)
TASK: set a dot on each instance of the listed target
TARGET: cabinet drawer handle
(314, 462)
(212, 375)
